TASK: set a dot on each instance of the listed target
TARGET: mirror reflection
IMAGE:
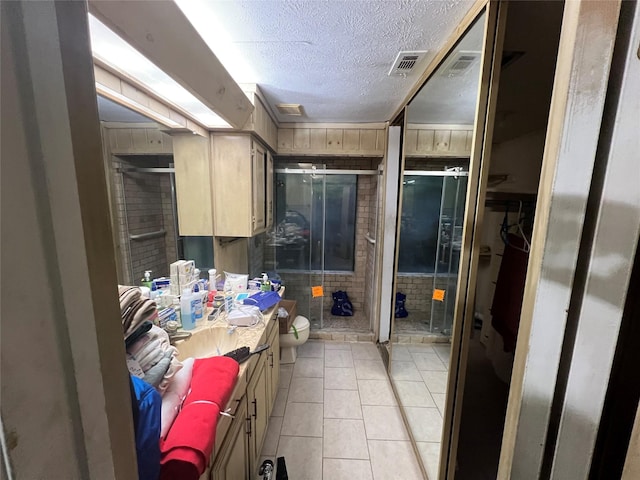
(437, 146)
(139, 158)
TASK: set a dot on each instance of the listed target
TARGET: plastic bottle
(212, 281)
(188, 302)
(265, 286)
(146, 280)
(198, 305)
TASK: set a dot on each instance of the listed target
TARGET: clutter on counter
(178, 403)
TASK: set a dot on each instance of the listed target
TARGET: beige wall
(64, 393)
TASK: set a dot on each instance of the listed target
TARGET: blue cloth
(146, 417)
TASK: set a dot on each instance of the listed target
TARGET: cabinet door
(258, 413)
(273, 367)
(232, 461)
(259, 155)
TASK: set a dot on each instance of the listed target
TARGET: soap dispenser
(146, 280)
(265, 286)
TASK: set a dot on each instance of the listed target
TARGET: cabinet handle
(255, 407)
(271, 364)
(248, 430)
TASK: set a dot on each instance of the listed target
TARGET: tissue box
(286, 322)
(182, 267)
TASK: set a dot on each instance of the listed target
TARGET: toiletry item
(228, 301)
(265, 286)
(212, 280)
(146, 280)
(199, 309)
(218, 301)
(188, 305)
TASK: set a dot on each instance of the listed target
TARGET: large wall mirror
(139, 164)
(438, 143)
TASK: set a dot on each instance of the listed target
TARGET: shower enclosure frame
(314, 171)
(449, 172)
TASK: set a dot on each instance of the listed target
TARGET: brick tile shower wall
(144, 206)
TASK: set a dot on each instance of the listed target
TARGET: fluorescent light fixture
(113, 50)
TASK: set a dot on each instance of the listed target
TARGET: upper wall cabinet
(309, 139)
(138, 140)
(241, 180)
(260, 122)
(424, 140)
(191, 159)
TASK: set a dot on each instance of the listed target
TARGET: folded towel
(155, 374)
(189, 443)
(150, 349)
(128, 295)
(137, 333)
(127, 317)
(145, 310)
(174, 396)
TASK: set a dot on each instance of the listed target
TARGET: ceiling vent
(294, 109)
(406, 61)
(460, 63)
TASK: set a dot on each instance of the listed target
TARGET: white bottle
(188, 302)
(212, 280)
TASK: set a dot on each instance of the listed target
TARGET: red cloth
(189, 443)
(507, 299)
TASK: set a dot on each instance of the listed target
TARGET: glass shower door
(297, 237)
(445, 278)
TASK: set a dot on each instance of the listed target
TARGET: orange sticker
(317, 291)
(438, 295)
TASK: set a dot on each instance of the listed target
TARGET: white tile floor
(336, 418)
(419, 373)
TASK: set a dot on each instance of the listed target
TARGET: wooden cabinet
(438, 140)
(231, 462)
(241, 181)
(260, 122)
(239, 441)
(332, 139)
(138, 140)
(193, 189)
(273, 366)
(258, 406)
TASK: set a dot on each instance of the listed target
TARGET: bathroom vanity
(239, 437)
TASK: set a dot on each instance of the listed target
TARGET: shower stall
(144, 211)
(429, 249)
(318, 246)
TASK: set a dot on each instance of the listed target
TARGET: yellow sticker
(317, 291)
(438, 295)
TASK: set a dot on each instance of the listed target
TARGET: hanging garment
(401, 311)
(507, 299)
(342, 306)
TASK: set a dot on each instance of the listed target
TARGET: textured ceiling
(330, 56)
(451, 99)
